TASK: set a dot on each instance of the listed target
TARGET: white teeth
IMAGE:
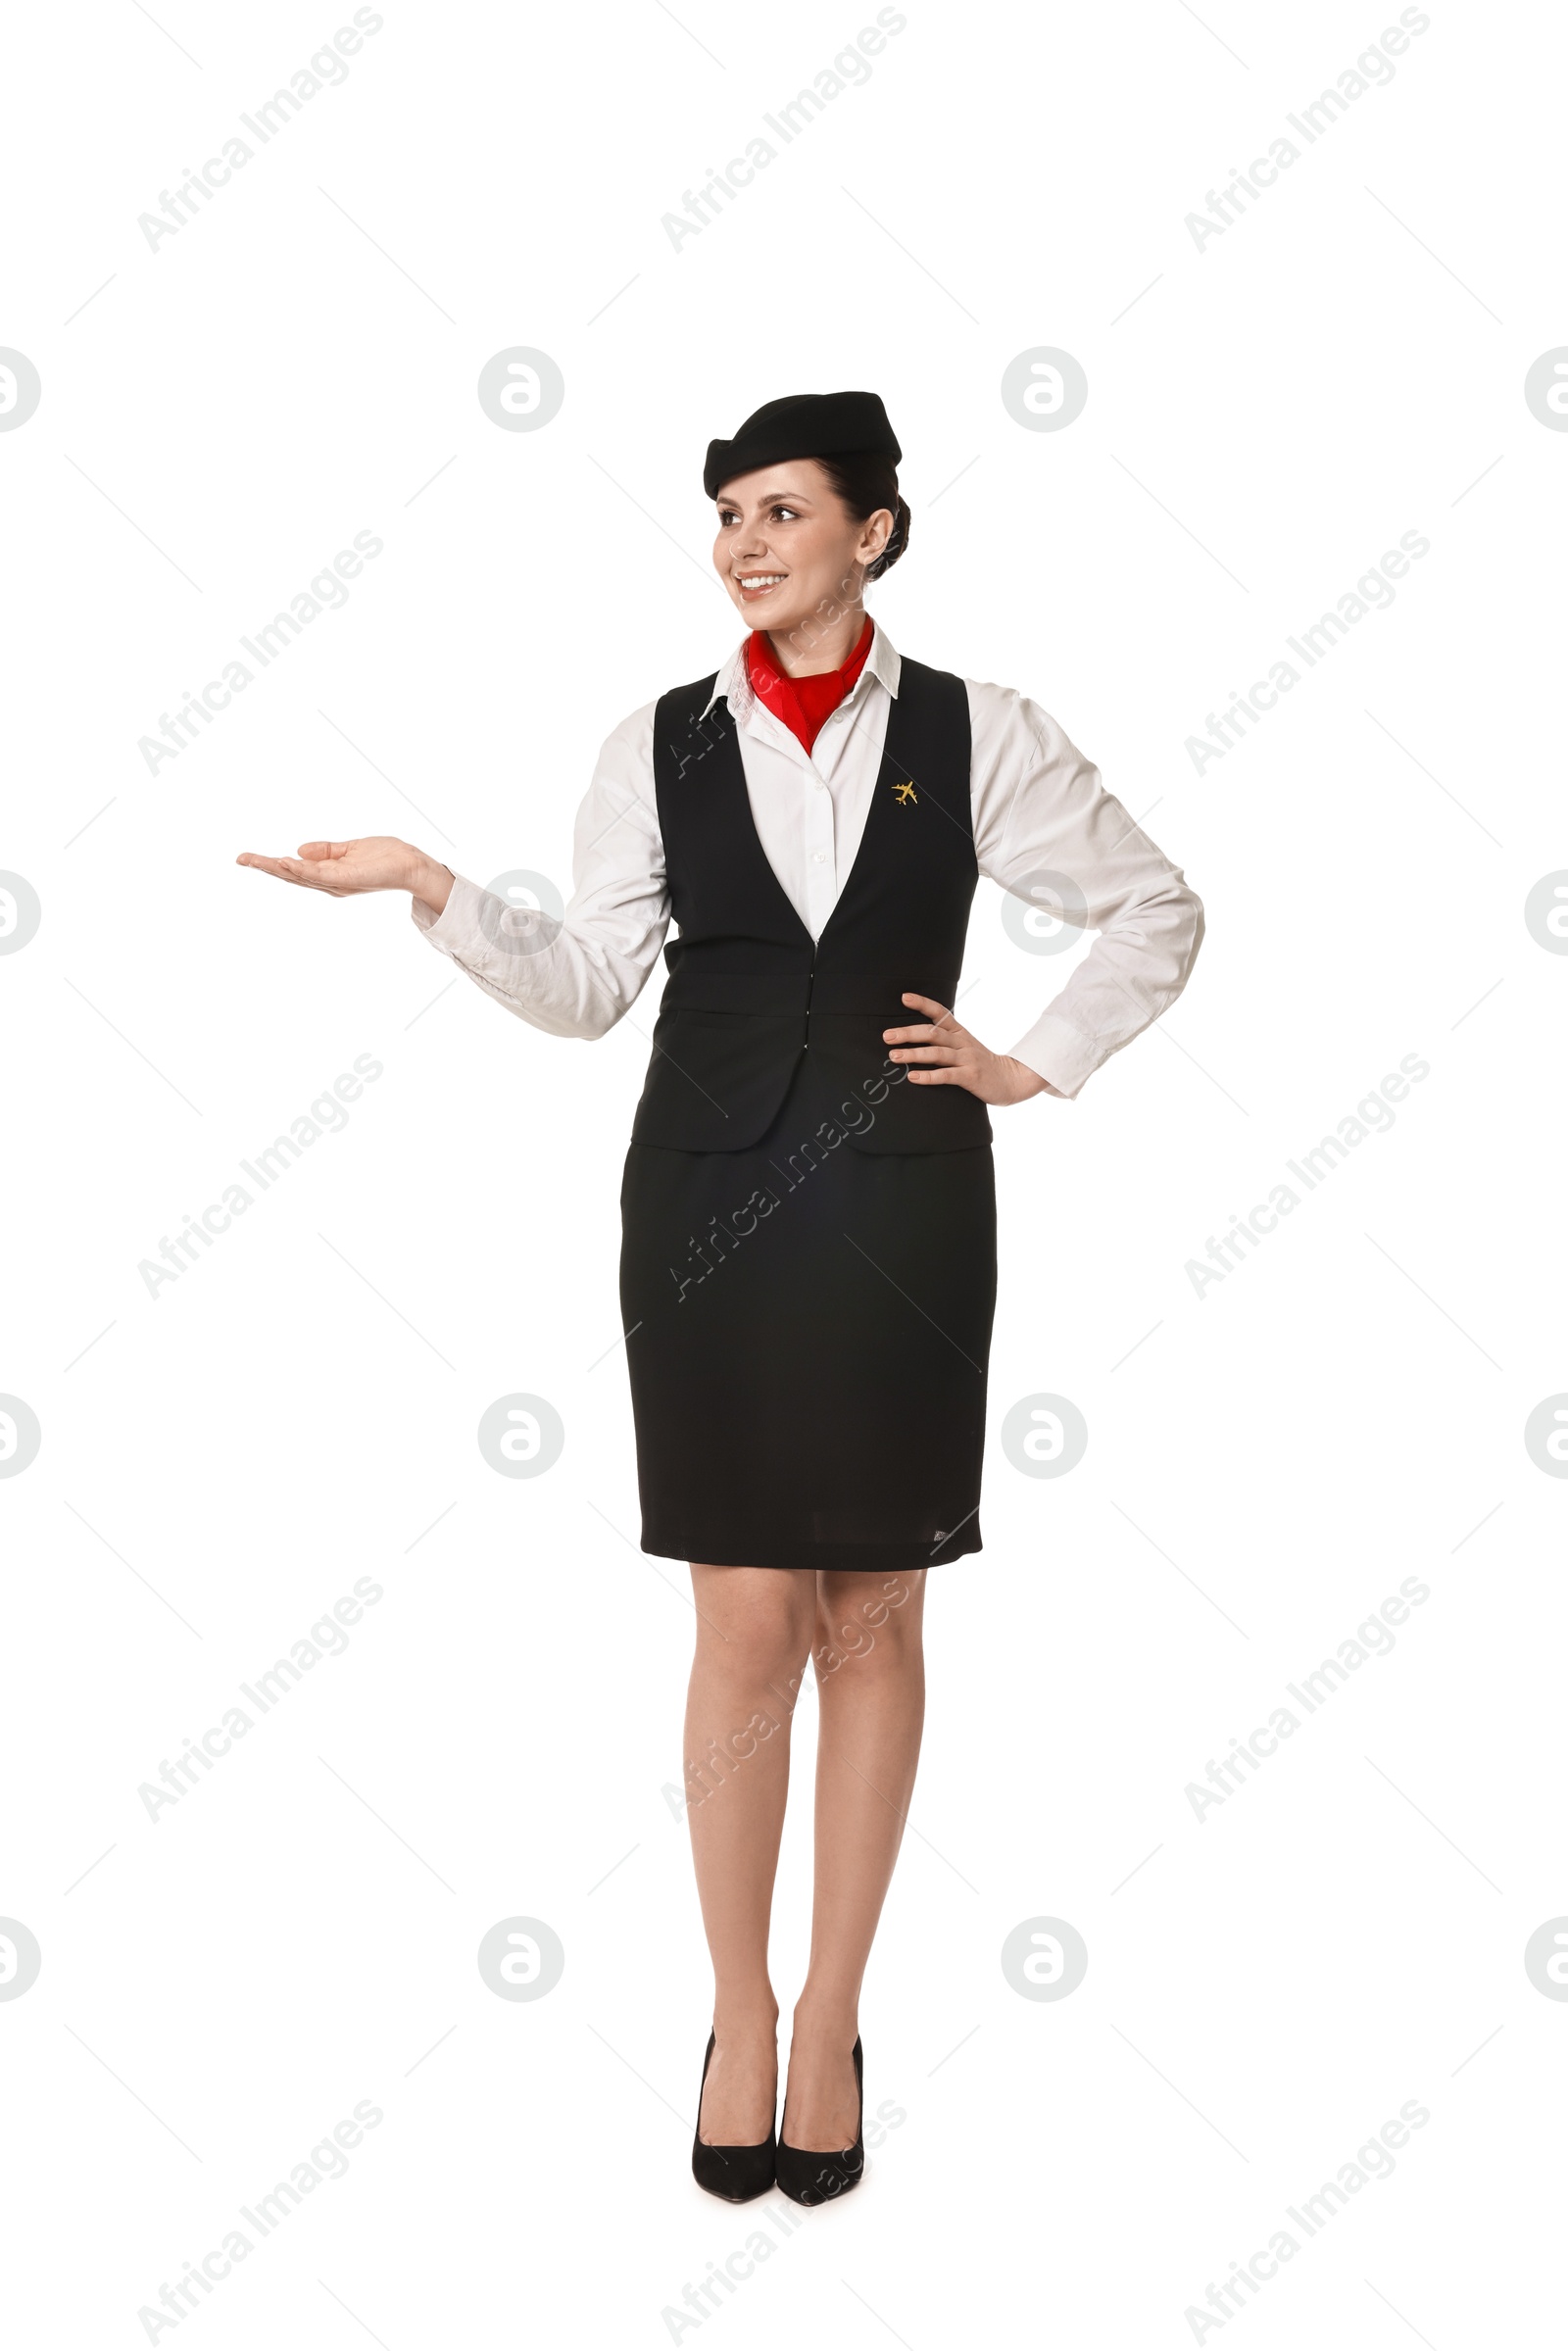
(762, 579)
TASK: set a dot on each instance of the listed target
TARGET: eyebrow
(772, 498)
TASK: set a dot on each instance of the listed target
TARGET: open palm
(343, 868)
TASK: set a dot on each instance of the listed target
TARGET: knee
(870, 1622)
(760, 1629)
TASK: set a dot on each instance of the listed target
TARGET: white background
(218, 1464)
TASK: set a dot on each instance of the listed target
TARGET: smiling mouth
(759, 583)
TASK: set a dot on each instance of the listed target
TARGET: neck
(816, 646)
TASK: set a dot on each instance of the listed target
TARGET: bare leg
(870, 1673)
(753, 1631)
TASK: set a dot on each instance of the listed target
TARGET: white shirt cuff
(457, 929)
(1059, 1053)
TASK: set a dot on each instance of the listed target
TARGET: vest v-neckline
(856, 862)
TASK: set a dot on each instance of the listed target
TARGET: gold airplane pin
(904, 794)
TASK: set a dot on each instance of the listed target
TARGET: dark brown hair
(867, 481)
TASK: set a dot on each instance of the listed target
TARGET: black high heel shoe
(808, 2176)
(737, 2174)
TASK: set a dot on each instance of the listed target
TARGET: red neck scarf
(802, 703)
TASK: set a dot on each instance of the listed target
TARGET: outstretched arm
(573, 975)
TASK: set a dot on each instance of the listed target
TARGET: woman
(809, 1223)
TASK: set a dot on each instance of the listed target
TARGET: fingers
(929, 1043)
(278, 866)
(929, 1005)
(950, 1031)
(316, 850)
(939, 1017)
(287, 869)
(959, 1059)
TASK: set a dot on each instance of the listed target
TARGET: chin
(778, 618)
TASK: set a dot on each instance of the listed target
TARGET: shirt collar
(733, 682)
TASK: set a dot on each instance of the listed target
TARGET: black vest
(751, 997)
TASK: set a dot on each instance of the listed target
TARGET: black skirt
(808, 1330)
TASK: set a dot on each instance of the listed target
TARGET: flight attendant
(808, 1269)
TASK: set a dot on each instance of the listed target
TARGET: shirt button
(819, 856)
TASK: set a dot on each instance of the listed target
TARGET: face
(788, 550)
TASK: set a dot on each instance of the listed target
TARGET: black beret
(806, 424)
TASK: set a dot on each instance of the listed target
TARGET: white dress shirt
(1038, 806)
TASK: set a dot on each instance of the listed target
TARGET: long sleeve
(578, 974)
(1041, 812)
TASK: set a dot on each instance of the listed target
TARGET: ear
(875, 533)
